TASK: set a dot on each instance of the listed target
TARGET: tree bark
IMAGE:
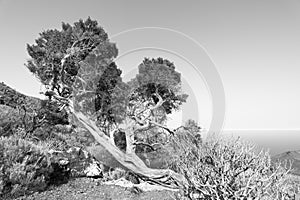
(130, 160)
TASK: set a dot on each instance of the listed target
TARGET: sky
(239, 60)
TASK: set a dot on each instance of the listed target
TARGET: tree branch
(162, 126)
(144, 125)
(112, 135)
(159, 103)
(145, 144)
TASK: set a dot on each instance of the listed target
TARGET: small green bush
(223, 168)
(25, 167)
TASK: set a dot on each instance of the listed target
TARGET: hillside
(294, 156)
(13, 98)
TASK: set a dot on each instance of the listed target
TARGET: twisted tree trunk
(130, 160)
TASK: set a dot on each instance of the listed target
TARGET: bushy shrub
(62, 137)
(9, 120)
(24, 166)
(223, 168)
(26, 108)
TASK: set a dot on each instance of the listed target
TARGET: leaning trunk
(130, 160)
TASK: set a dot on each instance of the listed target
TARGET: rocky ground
(92, 189)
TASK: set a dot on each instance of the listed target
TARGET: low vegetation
(25, 167)
(230, 168)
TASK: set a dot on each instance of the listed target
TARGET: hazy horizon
(277, 141)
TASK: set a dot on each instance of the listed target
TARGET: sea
(276, 141)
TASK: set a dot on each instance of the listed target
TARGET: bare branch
(144, 126)
(112, 135)
(159, 103)
(162, 126)
(145, 144)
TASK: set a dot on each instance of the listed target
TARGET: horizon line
(255, 130)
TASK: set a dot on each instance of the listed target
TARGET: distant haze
(277, 141)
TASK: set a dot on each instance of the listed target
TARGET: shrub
(9, 120)
(223, 168)
(25, 166)
(62, 137)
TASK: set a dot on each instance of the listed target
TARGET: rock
(195, 195)
(93, 170)
(63, 162)
(75, 162)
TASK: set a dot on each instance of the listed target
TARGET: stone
(63, 162)
(76, 162)
(93, 170)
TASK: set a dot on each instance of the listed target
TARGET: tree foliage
(158, 77)
(57, 54)
(56, 59)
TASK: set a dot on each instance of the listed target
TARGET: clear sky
(254, 45)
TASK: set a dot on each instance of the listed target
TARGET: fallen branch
(144, 186)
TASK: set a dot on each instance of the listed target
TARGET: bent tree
(76, 66)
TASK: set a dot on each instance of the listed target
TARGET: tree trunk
(131, 161)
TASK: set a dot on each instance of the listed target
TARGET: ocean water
(276, 141)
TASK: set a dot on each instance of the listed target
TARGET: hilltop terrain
(293, 156)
